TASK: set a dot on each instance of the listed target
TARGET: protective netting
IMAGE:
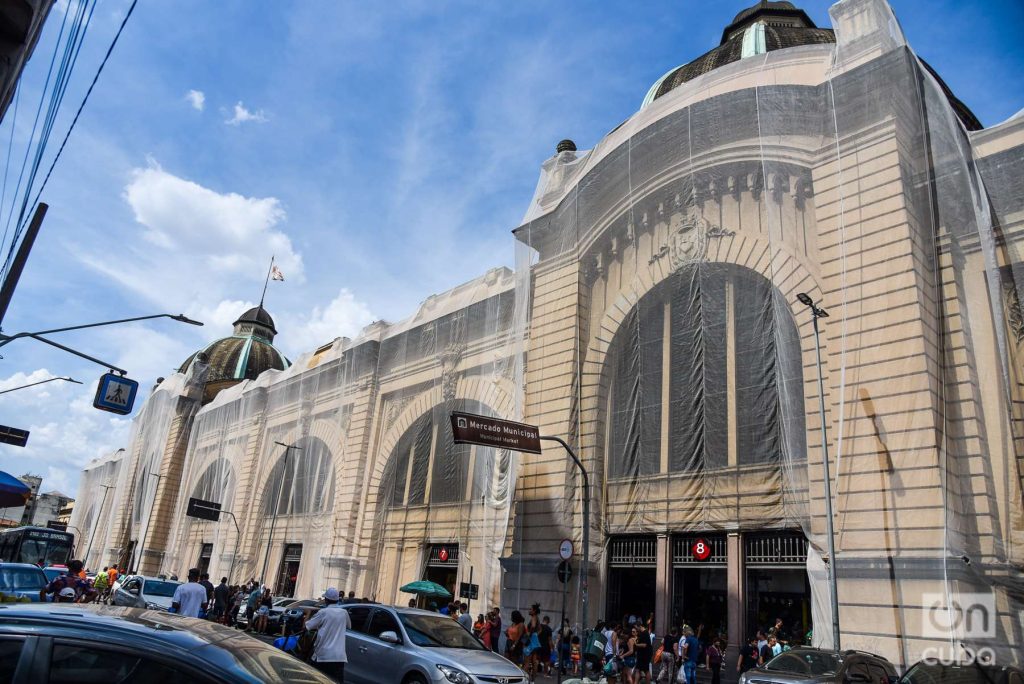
(686, 372)
(653, 323)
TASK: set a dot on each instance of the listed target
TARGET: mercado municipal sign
(469, 428)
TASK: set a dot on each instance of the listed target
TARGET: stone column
(663, 585)
(736, 577)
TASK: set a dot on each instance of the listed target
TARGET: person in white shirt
(331, 624)
(190, 597)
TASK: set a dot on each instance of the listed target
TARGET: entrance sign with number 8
(700, 549)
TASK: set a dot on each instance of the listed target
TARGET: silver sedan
(138, 591)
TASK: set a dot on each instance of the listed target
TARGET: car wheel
(414, 678)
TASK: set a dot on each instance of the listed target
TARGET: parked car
(296, 612)
(138, 591)
(277, 608)
(938, 672)
(52, 572)
(391, 644)
(805, 665)
(22, 580)
(98, 644)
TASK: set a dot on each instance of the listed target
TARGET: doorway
(442, 568)
(205, 554)
(700, 596)
(632, 578)
(289, 571)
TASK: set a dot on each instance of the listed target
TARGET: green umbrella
(426, 588)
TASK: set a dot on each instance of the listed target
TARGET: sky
(381, 152)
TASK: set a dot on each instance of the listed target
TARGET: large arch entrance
(703, 424)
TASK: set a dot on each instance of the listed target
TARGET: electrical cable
(7, 164)
(74, 121)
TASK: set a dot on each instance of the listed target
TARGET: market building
(653, 322)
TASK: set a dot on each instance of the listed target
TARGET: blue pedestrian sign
(116, 394)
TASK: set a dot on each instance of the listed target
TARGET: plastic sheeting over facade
(653, 323)
(840, 171)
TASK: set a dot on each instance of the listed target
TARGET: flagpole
(266, 282)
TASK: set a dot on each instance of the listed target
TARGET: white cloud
(344, 316)
(243, 115)
(196, 245)
(197, 99)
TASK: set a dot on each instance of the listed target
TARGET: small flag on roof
(275, 273)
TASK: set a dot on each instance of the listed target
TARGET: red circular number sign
(700, 549)
(443, 555)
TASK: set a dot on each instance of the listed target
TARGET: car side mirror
(390, 637)
(134, 590)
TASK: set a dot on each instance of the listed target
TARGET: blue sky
(383, 151)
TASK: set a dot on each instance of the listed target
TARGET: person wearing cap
(66, 595)
(189, 597)
(82, 588)
(331, 623)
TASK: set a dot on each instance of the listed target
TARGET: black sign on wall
(469, 428)
(206, 510)
(13, 435)
(469, 591)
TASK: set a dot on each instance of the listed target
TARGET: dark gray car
(804, 665)
(389, 644)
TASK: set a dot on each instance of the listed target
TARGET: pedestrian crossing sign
(115, 393)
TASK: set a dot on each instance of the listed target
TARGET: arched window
(217, 483)
(717, 343)
(302, 482)
(409, 467)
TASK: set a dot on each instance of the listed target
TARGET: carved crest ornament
(687, 240)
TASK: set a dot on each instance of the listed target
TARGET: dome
(259, 315)
(242, 356)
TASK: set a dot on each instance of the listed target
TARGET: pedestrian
(101, 584)
(84, 592)
(495, 630)
(531, 649)
(465, 619)
(644, 652)
(412, 603)
(563, 644)
(514, 638)
(713, 661)
(777, 631)
(263, 612)
(252, 602)
(667, 666)
(762, 640)
(485, 631)
(748, 657)
(221, 596)
(189, 597)
(112, 575)
(478, 626)
(689, 654)
(204, 579)
(237, 597)
(547, 643)
(331, 624)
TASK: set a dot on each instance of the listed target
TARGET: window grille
(776, 548)
(682, 550)
(451, 556)
(633, 552)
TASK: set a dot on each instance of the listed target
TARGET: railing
(633, 552)
(683, 553)
(776, 548)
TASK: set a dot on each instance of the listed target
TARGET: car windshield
(21, 579)
(805, 662)
(937, 673)
(283, 601)
(160, 588)
(437, 631)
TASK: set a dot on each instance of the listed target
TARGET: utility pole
(18, 265)
(273, 520)
(149, 520)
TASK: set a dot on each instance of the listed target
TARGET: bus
(35, 544)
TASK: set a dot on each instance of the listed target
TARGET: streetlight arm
(41, 382)
(181, 318)
(76, 353)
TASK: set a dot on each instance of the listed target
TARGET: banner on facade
(469, 428)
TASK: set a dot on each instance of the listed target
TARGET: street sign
(54, 525)
(207, 510)
(564, 572)
(700, 549)
(13, 435)
(565, 549)
(469, 428)
(115, 393)
(469, 591)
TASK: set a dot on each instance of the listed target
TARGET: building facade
(653, 322)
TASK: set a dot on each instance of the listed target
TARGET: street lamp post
(41, 382)
(273, 520)
(816, 313)
(95, 521)
(585, 564)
